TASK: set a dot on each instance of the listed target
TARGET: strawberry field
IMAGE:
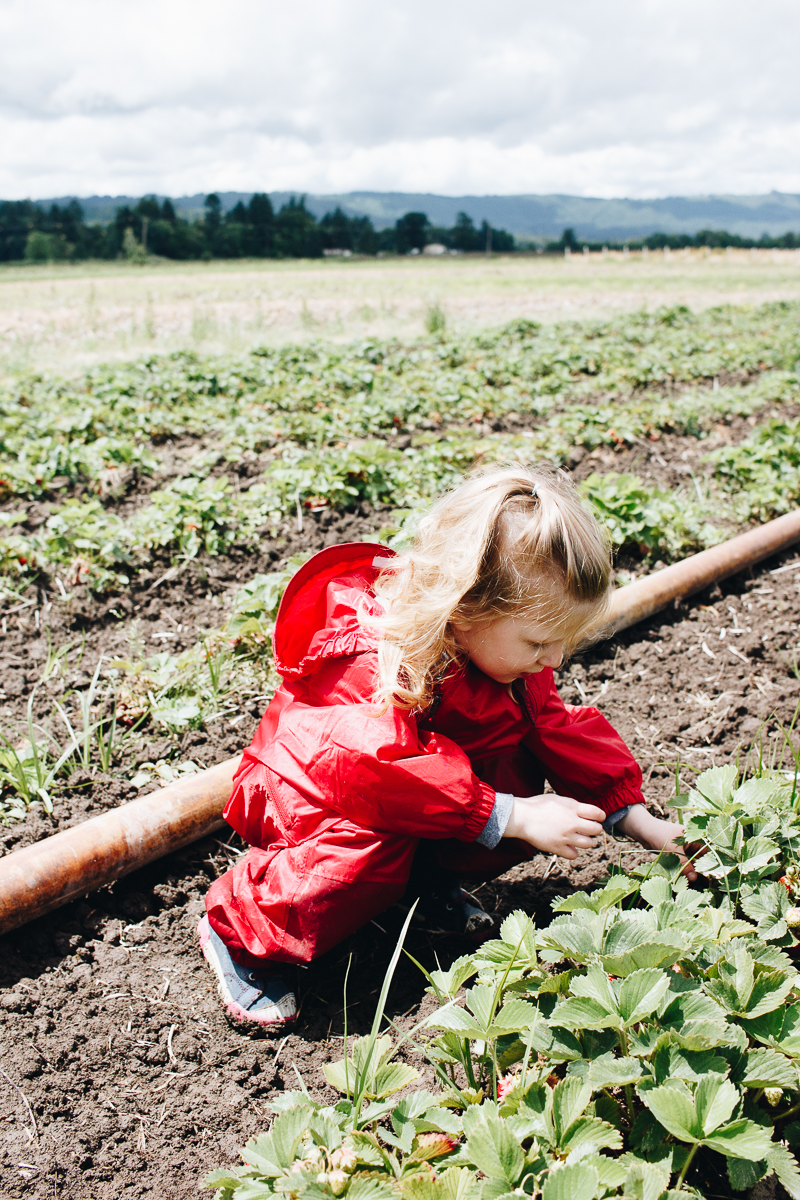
(626, 1034)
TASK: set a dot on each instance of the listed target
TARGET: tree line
(31, 232)
(254, 230)
(714, 239)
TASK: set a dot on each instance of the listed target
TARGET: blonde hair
(510, 541)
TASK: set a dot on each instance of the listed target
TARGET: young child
(418, 719)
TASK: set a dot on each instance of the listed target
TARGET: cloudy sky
(591, 97)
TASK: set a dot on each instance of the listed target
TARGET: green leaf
(337, 1077)
(450, 982)
(673, 1108)
(252, 1189)
(575, 1181)
(740, 1139)
(781, 1160)
(556, 984)
(743, 1173)
(260, 1153)
(518, 930)
(660, 949)
(491, 1145)
(714, 1101)
(390, 1078)
(286, 1132)
(576, 902)
(516, 1015)
(223, 1177)
(770, 990)
(612, 1071)
(458, 1020)
(480, 1001)
(641, 994)
(557, 1043)
(602, 898)
(656, 891)
(767, 1068)
(645, 1180)
(702, 1035)
(590, 1132)
(717, 784)
(576, 1013)
(570, 1098)
(673, 1062)
(611, 1171)
(369, 1189)
(595, 985)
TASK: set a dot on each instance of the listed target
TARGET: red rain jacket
(332, 794)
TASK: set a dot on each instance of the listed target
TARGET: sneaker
(250, 995)
(454, 911)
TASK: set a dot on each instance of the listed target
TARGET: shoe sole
(237, 1014)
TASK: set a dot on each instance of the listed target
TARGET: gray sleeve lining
(495, 827)
(610, 822)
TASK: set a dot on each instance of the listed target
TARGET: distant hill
(526, 216)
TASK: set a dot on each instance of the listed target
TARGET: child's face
(509, 647)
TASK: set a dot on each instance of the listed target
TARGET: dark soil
(120, 1076)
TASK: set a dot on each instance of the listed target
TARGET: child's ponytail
(491, 548)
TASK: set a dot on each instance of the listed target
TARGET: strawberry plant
(648, 520)
(748, 833)
(763, 472)
(649, 1032)
(190, 515)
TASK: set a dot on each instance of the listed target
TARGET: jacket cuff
(478, 817)
(625, 795)
(495, 827)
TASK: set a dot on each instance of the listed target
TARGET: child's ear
(462, 626)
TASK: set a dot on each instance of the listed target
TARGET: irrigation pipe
(42, 877)
(649, 595)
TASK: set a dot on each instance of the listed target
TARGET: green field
(168, 428)
(62, 317)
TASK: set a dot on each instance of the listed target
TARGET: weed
(435, 320)
(29, 768)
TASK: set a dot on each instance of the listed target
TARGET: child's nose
(552, 655)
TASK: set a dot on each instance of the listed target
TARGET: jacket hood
(319, 613)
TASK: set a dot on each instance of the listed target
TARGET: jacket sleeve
(376, 768)
(583, 756)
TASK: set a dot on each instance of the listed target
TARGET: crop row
(56, 432)
(323, 426)
(645, 1040)
(89, 542)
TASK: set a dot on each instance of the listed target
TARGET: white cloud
(629, 97)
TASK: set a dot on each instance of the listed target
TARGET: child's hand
(655, 834)
(556, 824)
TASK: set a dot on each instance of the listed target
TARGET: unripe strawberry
(345, 1158)
(793, 918)
(773, 1096)
(337, 1181)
